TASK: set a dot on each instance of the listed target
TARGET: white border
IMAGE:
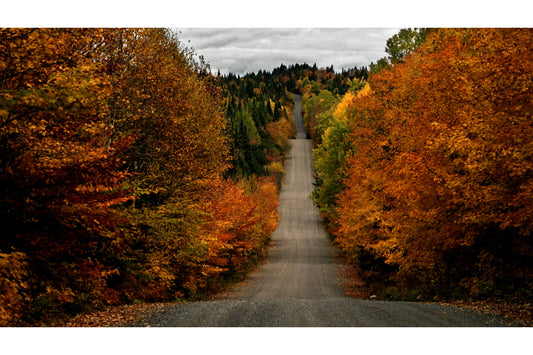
(271, 13)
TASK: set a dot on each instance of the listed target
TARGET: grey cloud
(242, 50)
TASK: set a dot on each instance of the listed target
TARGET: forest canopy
(130, 173)
(115, 149)
(424, 176)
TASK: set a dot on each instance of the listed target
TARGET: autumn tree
(399, 46)
(404, 42)
(178, 152)
(440, 186)
(59, 168)
(114, 150)
(330, 155)
(313, 106)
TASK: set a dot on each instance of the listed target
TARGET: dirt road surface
(298, 286)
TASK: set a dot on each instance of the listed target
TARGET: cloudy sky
(244, 50)
(241, 36)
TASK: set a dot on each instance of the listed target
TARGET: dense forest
(424, 171)
(130, 173)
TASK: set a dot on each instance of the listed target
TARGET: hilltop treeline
(259, 110)
(259, 107)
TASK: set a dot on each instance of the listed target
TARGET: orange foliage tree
(440, 188)
(179, 152)
(59, 163)
(239, 224)
(112, 156)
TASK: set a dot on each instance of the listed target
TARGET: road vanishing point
(299, 284)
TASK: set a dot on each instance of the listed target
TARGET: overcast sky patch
(244, 50)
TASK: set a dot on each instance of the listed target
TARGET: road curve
(298, 287)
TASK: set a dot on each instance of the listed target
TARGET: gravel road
(298, 286)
